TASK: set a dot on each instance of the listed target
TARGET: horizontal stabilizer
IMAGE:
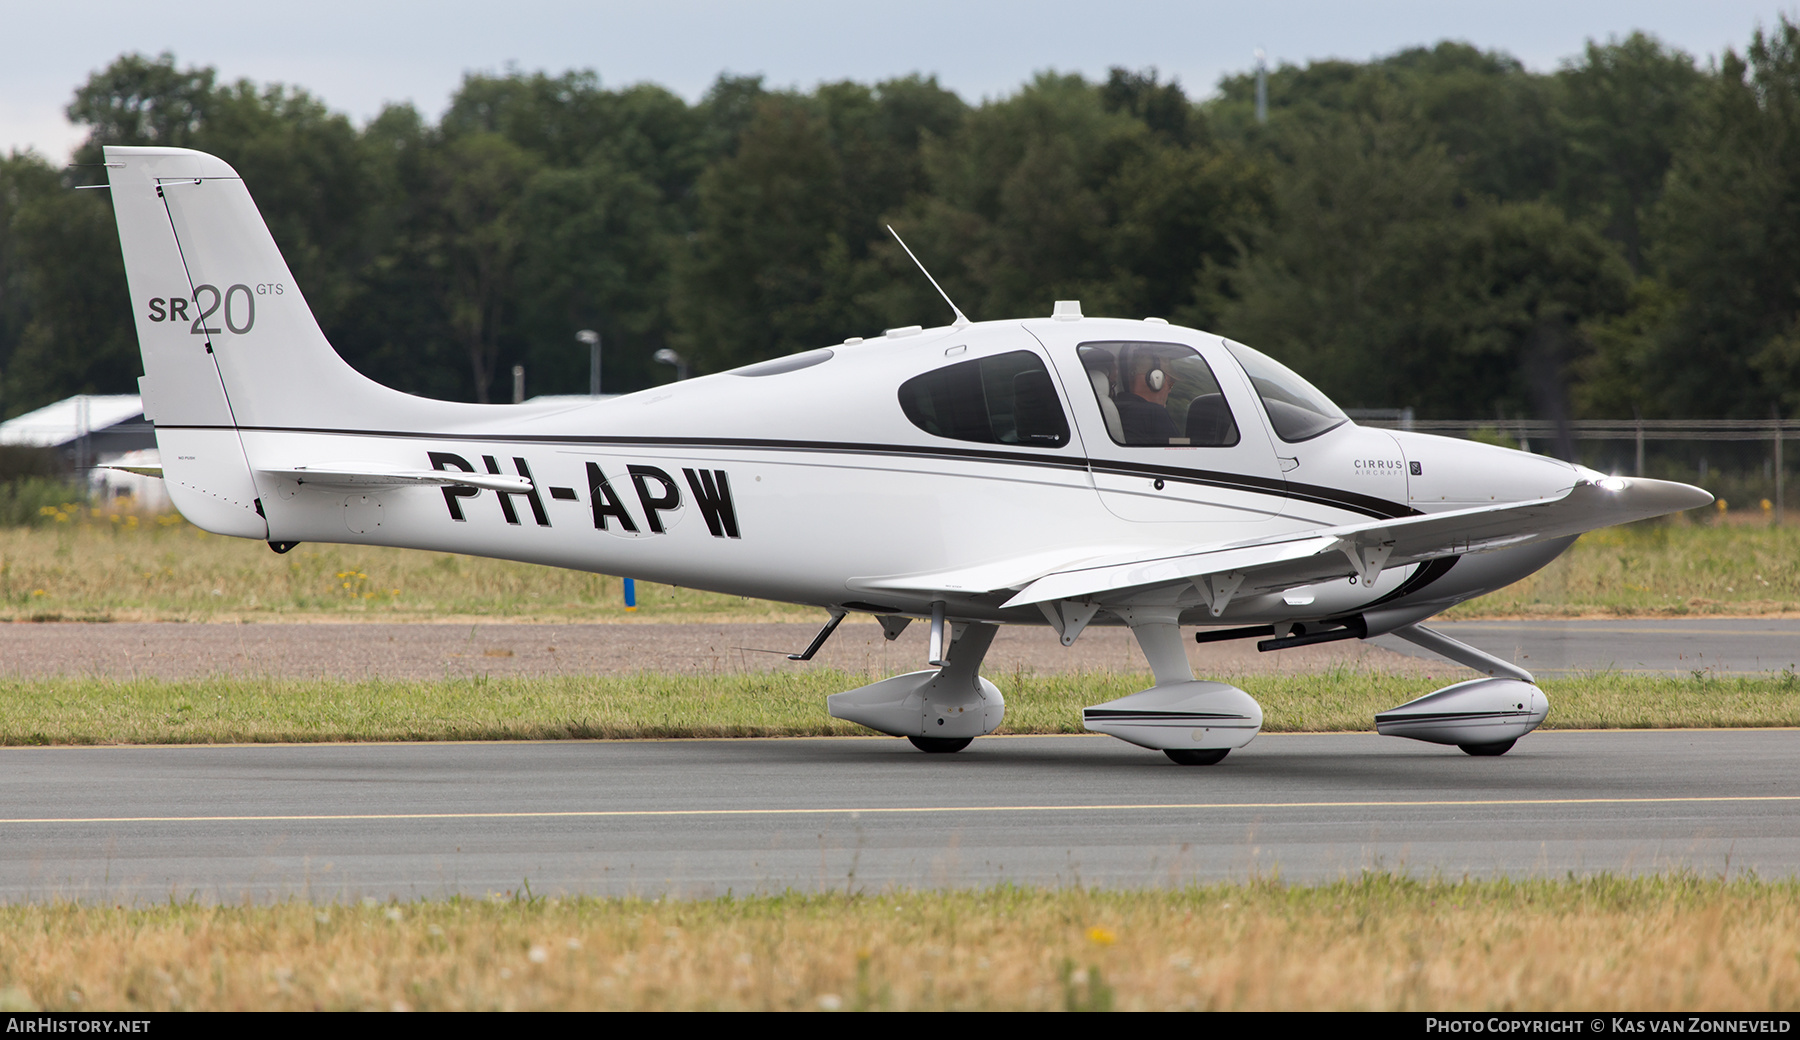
(142, 471)
(357, 479)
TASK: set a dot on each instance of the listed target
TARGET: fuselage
(810, 479)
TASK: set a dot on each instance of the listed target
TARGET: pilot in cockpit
(1143, 401)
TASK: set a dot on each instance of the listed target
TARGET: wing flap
(1175, 570)
(1005, 575)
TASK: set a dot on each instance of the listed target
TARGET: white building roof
(57, 424)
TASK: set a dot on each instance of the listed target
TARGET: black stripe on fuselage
(1451, 716)
(1378, 508)
(1127, 715)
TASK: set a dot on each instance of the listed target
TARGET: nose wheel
(944, 745)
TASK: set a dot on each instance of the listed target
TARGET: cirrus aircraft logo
(1379, 467)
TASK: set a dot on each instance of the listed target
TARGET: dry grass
(1379, 942)
(240, 710)
(117, 567)
(120, 567)
(1660, 568)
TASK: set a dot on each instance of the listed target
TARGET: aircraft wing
(1365, 549)
(365, 479)
(1225, 570)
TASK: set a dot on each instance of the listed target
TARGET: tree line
(1441, 228)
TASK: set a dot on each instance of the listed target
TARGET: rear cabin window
(1158, 395)
(1004, 399)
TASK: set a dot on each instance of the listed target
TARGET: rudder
(204, 465)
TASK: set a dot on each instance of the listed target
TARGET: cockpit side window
(1158, 395)
(1004, 399)
(1296, 408)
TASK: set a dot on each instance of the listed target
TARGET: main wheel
(1195, 757)
(941, 745)
(1486, 750)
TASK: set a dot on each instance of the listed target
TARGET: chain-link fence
(1741, 461)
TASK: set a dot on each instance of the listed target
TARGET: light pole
(1262, 87)
(592, 339)
(665, 356)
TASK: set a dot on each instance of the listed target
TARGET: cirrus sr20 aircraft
(1063, 470)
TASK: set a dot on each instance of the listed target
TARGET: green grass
(231, 710)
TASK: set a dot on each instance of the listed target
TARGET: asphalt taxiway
(704, 817)
(1667, 646)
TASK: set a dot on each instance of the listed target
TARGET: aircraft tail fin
(228, 342)
(226, 334)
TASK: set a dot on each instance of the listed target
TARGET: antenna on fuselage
(961, 318)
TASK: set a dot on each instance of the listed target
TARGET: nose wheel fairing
(1482, 714)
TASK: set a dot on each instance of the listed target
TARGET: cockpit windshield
(1296, 409)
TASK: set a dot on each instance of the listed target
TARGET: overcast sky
(358, 56)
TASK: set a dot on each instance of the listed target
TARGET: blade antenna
(961, 318)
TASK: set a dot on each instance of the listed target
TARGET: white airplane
(1063, 470)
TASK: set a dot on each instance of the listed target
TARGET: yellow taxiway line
(576, 814)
